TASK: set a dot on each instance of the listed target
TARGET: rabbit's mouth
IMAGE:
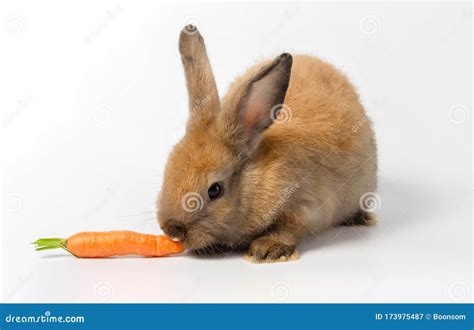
(175, 230)
(196, 239)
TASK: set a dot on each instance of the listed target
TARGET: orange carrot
(112, 243)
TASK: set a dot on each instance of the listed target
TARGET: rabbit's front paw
(269, 249)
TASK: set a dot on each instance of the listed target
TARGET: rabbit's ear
(202, 90)
(263, 99)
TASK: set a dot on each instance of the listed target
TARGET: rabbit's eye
(215, 190)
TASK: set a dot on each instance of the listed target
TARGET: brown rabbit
(288, 151)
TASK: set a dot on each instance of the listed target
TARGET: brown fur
(281, 180)
(361, 218)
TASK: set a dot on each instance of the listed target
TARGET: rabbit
(288, 152)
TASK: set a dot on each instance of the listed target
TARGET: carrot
(112, 243)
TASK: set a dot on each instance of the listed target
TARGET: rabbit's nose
(175, 231)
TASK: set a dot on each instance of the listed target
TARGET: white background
(93, 99)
